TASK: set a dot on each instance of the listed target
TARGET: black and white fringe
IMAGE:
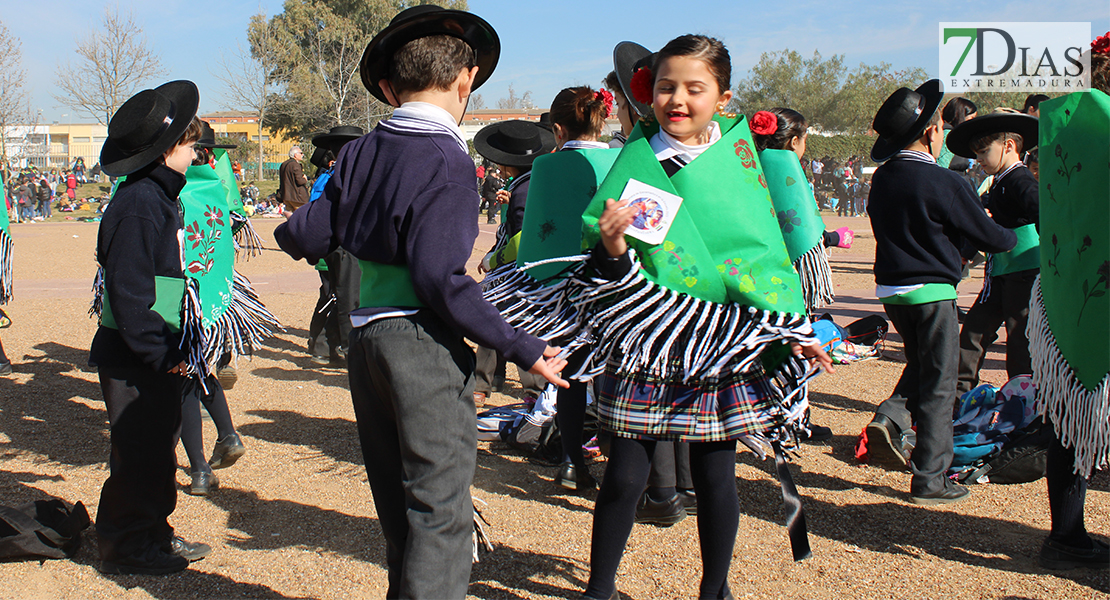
(5, 267)
(192, 333)
(1081, 418)
(242, 326)
(816, 276)
(246, 238)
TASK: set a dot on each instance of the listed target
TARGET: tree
(476, 102)
(13, 99)
(113, 64)
(512, 101)
(247, 74)
(853, 107)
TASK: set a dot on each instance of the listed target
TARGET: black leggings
(713, 467)
(1066, 495)
(191, 432)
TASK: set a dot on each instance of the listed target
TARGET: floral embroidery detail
(1054, 262)
(763, 182)
(547, 229)
(1093, 291)
(744, 151)
(205, 239)
(1064, 169)
(788, 220)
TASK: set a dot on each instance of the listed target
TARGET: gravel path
(295, 519)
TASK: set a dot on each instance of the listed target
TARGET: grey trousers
(412, 385)
(930, 333)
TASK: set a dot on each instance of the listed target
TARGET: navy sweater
(1014, 200)
(921, 214)
(137, 241)
(409, 199)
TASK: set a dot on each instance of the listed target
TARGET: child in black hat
(920, 213)
(150, 139)
(402, 200)
(997, 141)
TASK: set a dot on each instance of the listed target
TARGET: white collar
(916, 155)
(583, 145)
(426, 117)
(665, 146)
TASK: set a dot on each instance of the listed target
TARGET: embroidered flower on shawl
(788, 220)
(764, 123)
(643, 85)
(744, 151)
(214, 215)
(1101, 45)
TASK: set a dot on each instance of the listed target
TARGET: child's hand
(503, 196)
(814, 352)
(613, 222)
(549, 365)
(179, 369)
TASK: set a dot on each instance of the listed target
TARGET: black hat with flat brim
(960, 139)
(514, 143)
(629, 57)
(337, 137)
(903, 116)
(423, 21)
(208, 138)
(147, 125)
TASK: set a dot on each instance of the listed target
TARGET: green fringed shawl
(1069, 320)
(796, 208)
(5, 252)
(725, 243)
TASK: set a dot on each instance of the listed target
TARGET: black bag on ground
(867, 331)
(1021, 460)
(43, 528)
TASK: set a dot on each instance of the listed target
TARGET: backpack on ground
(997, 437)
(43, 529)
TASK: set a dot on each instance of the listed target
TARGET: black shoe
(817, 433)
(571, 479)
(338, 358)
(203, 483)
(615, 596)
(663, 513)
(1059, 557)
(951, 494)
(191, 551)
(323, 361)
(152, 560)
(5, 368)
(885, 444)
(689, 500)
(227, 451)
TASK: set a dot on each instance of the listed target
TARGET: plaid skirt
(639, 407)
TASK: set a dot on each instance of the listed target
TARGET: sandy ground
(295, 518)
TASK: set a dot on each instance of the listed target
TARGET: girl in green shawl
(722, 268)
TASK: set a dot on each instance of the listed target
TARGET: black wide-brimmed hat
(208, 138)
(960, 138)
(514, 143)
(147, 125)
(902, 118)
(422, 21)
(629, 57)
(336, 137)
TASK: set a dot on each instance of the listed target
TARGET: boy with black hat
(402, 200)
(151, 139)
(920, 213)
(997, 140)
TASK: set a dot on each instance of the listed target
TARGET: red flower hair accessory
(764, 123)
(643, 85)
(604, 96)
(1101, 45)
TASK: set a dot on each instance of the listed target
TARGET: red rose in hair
(604, 96)
(643, 85)
(764, 123)
(1101, 45)
(744, 151)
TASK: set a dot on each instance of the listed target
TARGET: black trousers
(1007, 304)
(144, 410)
(1067, 493)
(330, 328)
(930, 333)
(412, 385)
(490, 364)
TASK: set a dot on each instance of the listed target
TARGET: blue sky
(547, 46)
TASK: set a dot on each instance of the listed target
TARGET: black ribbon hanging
(792, 503)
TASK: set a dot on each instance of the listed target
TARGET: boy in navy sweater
(402, 200)
(921, 213)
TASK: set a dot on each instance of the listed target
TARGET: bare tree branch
(112, 65)
(13, 98)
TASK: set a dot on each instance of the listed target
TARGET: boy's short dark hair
(431, 62)
(981, 143)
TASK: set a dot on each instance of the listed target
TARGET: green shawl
(725, 244)
(563, 183)
(1069, 320)
(208, 248)
(5, 251)
(795, 206)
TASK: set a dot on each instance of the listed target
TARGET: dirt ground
(295, 518)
